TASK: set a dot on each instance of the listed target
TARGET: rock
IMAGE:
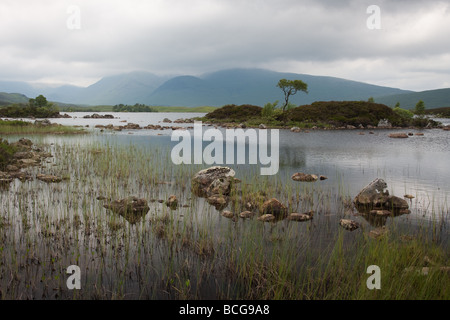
(219, 186)
(398, 135)
(98, 116)
(395, 203)
(266, 218)
(246, 214)
(446, 128)
(300, 216)
(172, 202)
(384, 123)
(167, 120)
(48, 178)
(242, 125)
(295, 129)
(348, 224)
(350, 127)
(24, 155)
(218, 201)
(214, 180)
(378, 232)
(131, 126)
(300, 176)
(131, 208)
(374, 196)
(11, 167)
(227, 214)
(43, 123)
(323, 178)
(372, 193)
(262, 126)
(382, 213)
(274, 207)
(419, 134)
(410, 134)
(28, 162)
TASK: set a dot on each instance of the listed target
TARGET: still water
(351, 159)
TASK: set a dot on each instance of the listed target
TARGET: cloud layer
(40, 40)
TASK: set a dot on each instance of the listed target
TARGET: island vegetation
(38, 107)
(321, 114)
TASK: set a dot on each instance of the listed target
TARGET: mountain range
(232, 86)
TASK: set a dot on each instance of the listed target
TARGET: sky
(402, 44)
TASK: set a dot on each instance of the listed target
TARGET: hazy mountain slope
(233, 86)
(258, 86)
(10, 98)
(433, 99)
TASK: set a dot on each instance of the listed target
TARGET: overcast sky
(78, 42)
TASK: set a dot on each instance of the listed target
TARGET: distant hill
(10, 98)
(433, 99)
(232, 86)
(257, 87)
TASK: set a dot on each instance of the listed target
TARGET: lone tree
(291, 87)
(420, 108)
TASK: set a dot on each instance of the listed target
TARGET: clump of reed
(193, 252)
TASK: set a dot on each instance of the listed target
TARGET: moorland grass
(193, 252)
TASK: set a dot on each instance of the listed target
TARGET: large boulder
(213, 181)
(374, 195)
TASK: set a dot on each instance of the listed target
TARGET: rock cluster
(25, 156)
(98, 116)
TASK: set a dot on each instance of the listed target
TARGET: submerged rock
(172, 202)
(300, 216)
(348, 224)
(378, 232)
(304, 177)
(48, 178)
(376, 204)
(398, 135)
(218, 201)
(274, 207)
(227, 214)
(247, 214)
(131, 208)
(266, 218)
(381, 213)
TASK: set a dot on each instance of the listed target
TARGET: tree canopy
(291, 87)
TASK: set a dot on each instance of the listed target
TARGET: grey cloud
(199, 36)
